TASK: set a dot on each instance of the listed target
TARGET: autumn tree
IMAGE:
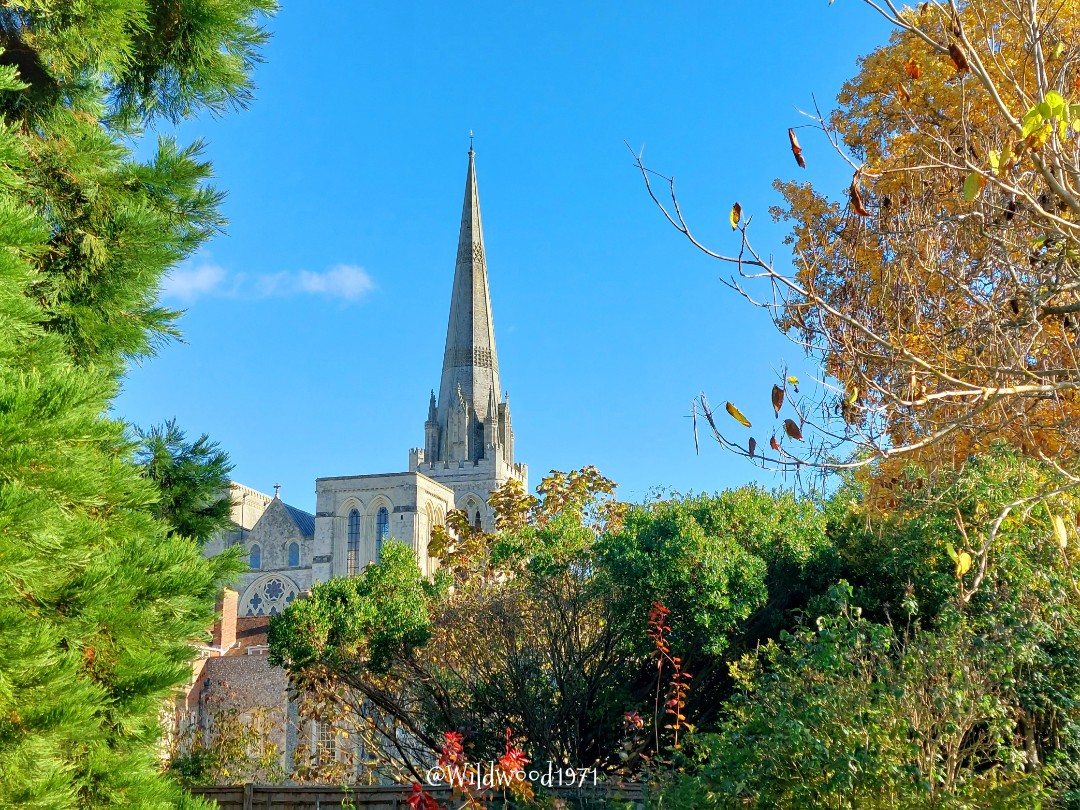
(514, 631)
(941, 291)
(545, 626)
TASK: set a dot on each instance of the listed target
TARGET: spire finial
(277, 490)
(471, 152)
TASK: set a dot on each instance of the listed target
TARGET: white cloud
(341, 281)
(188, 282)
(197, 280)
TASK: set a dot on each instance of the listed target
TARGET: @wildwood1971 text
(489, 775)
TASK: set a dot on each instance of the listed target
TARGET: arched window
(269, 596)
(382, 530)
(255, 557)
(294, 554)
(476, 520)
(353, 562)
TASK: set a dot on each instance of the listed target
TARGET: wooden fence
(394, 797)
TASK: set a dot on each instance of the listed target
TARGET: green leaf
(1032, 121)
(973, 184)
(1055, 104)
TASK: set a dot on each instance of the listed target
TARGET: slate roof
(305, 521)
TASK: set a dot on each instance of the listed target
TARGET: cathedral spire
(470, 363)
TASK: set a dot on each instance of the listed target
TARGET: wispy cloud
(201, 279)
(188, 282)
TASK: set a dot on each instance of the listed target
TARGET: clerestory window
(353, 562)
(382, 530)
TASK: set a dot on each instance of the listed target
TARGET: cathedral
(468, 451)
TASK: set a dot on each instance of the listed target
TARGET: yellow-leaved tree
(941, 292)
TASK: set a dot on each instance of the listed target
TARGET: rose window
(270, 597)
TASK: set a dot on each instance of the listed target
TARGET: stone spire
(470, 363)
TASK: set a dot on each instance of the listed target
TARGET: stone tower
(468, 436)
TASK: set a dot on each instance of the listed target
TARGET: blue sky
(314, 327)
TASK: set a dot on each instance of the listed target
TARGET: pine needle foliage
(99, 598)
(193, 477)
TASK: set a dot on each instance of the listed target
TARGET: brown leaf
(902, 93)
(913, 69)
(753, 446)
(959, 59)
(856, 198)
(775, 445)
(796, 150)
(792, 430)
(777, 399)
(737, 415)
(736, 212)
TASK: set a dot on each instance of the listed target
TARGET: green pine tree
(193, 478)
(99, 597)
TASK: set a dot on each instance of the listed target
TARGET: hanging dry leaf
(959, 59)
(792, 430)
(902, 93)
(913, 69)
(736, 212)
(737, 415)
(796, 150)
(774, 444)
(777, 399)
(856, 198)
(753, 446)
